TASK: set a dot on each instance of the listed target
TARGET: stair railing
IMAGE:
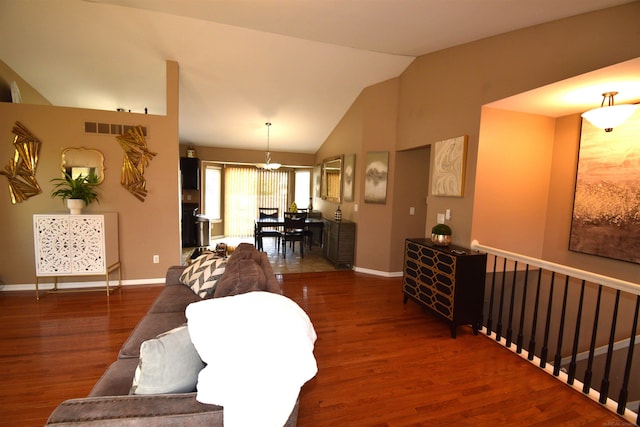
(580, 327)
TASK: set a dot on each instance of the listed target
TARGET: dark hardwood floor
(381, 363)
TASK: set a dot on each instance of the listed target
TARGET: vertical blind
(247, 189)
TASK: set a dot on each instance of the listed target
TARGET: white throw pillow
(168, 363)
(203, 274)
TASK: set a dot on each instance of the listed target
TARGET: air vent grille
(110, 128)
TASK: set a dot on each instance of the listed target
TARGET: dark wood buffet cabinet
(339, 241)
(448, 280)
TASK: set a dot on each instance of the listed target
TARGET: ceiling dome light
(268, 165)
(609, 116)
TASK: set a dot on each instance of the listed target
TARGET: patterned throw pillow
(203, 274)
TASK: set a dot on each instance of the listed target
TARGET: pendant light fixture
(268, 164)
(609, 116)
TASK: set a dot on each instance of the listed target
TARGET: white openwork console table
(76, 245)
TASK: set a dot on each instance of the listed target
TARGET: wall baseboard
(378, 272)
(79, 285)
(137, 282)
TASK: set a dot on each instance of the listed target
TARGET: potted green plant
(77, 191)
(441, 235)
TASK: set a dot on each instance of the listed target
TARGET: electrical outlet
(156, 259)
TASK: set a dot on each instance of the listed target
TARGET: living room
(440, 95)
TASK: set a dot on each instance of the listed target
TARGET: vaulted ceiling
(296, 63)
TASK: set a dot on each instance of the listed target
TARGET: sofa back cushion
(247, 270)
(242, 276)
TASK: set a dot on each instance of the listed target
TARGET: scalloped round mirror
(83, 161)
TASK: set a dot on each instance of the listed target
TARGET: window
(302, 188)
(246, 189)
(213, 191)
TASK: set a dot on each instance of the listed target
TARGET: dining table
(278, 223)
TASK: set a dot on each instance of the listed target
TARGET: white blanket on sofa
(258, 348)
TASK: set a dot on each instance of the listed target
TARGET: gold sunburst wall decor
(21, 170)
(136, 158)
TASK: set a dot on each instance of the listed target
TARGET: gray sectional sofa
(110, 403)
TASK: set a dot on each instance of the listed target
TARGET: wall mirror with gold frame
(331, 185)
(83, 161)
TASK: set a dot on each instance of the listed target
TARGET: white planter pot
(75, 206)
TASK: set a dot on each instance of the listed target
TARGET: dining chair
(260, 232)
(294, 231)
(307, 232)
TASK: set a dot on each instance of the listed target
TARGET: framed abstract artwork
(348, 171)
(450, 157)
(606, 206)
(375, 181)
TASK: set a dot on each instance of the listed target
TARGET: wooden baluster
(513, 294)
(493, 284)
(589, 371)
(547, 327)
(501, 307)
(576, 338)
(522, 311)
(558, 359)
(604, 385)
(532, 340)
(624, 390)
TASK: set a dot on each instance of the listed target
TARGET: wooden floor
(381, 363)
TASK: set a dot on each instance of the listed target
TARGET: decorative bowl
(441, 239)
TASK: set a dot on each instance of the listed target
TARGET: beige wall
(512, 181)
(28, 94)
(369, 125)
(145, 228)
(249, 156)
(441, 96)
(411, 189)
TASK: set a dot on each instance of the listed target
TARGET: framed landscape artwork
(606, 206)
(375, 180)
(450, 158)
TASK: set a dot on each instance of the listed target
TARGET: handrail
(610, 282)
(510, 295)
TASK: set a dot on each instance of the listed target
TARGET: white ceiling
(296, 63)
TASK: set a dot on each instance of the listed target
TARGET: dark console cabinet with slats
(339, 241)
(447, 280)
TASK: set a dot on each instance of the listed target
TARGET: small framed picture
(375, 181)
(348, 176)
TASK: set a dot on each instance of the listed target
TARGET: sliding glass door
(233, 194)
